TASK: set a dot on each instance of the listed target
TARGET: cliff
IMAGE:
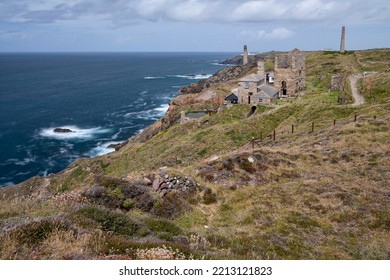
(220, 187)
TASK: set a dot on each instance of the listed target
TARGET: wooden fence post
(312, 127)
(292, 129)
(274, 136)
(334, 122)
(374, 117)
(253, 142)
(355, 117)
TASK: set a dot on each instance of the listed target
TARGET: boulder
(62, 130)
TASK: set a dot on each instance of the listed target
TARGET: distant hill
(237, 60)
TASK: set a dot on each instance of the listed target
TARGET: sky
(191, 25)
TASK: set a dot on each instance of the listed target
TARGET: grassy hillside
(321, 192)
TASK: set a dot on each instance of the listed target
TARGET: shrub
(209, 197)
(128, 204)
(163, 229)
(107, 220)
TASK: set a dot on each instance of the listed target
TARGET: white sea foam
(162, 109)
(22, 162)
(77, 133)
(193, 76)
(152, 114)
(102, 149)
(153, 78)
(221, 64)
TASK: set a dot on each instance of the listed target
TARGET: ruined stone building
(262, 88)
(289, 73)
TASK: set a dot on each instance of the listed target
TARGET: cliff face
(172, 116)
(222, 76)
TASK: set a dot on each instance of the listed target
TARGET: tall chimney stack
(342, 43)
(245, 56)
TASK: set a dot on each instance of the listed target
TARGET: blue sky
(191, 25)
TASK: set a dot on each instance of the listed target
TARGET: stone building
(265, 95)
(247, 87)
(289, 73)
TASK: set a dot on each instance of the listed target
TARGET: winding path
(359, 99)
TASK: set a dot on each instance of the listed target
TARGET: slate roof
(266, 92)
(231, 96)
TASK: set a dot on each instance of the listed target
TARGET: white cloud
(224, 11)
(152, 9)
(277, 33)
(191, 10)
(259, 11)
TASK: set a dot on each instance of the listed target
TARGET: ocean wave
(154, 78)
(221, 64)
(193, 76)
(77, 133)
(153, 114)
(101, 149)
(19, 162)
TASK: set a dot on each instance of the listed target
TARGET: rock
(251, 159)
(62, 130)
(180, 239)
(163, 170)
(147, 181)
(214, 158)
(163, 193)
(163, 186)
(118, 146)
(156, 184)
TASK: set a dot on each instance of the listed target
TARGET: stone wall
(337, 83)
(243, 92)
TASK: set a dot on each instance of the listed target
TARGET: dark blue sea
(103, 97)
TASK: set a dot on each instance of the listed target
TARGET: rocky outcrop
(118, 146)
(62, 130)
(164, 184)
(222, 76)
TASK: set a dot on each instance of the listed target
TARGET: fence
(306, 129)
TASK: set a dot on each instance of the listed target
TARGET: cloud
(277, 33)
(223, 11)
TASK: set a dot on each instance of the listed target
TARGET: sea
(104, 98)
